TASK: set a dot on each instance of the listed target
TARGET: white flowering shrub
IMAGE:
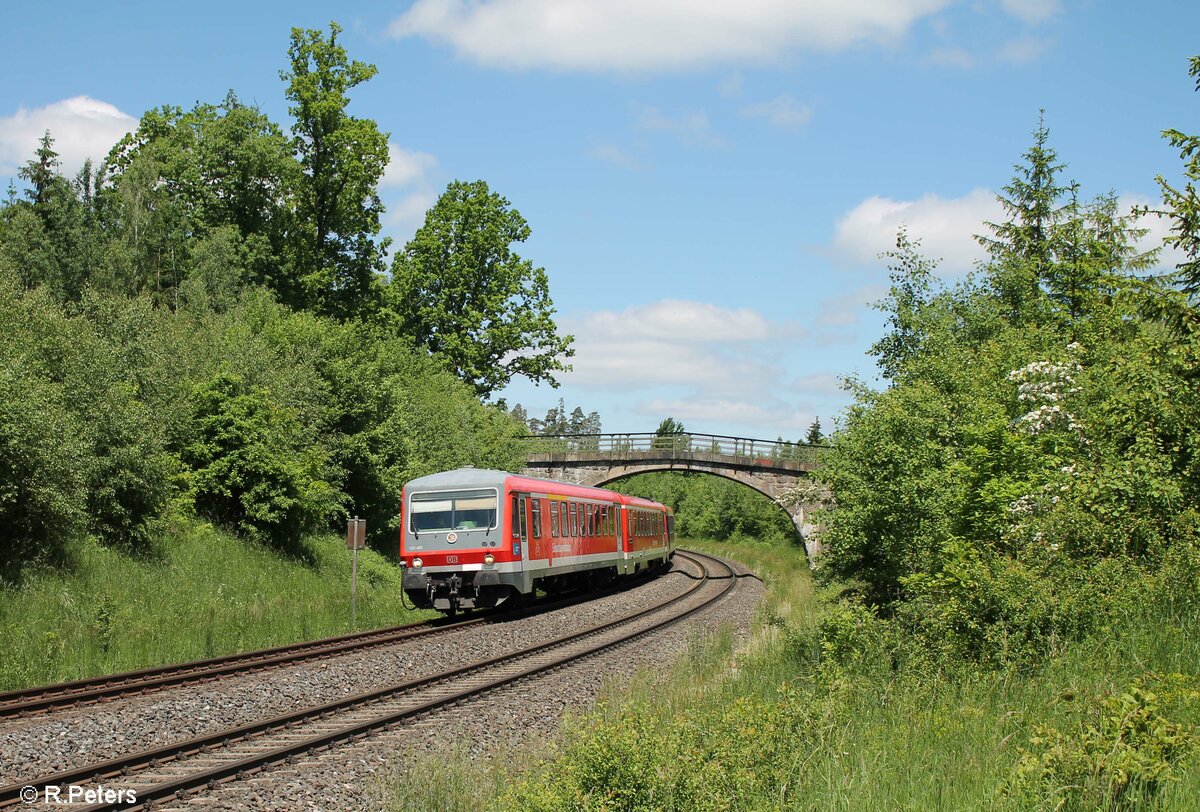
(1045, 387)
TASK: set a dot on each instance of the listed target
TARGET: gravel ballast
(356, 776)
(43, 745)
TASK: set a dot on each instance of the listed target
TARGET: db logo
(451, 559)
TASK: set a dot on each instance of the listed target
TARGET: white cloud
(731, 85)
(691, 128)
(686, 322)
(633, 35)
(783, 111)
(408, 213)
(611, 153)
(82, 128)
(1031, 11)
(673, 342)
(767, 415)
(406, 166)
(1158, 228)
(945, 227)
(1024, 50)
(819, 383)
(951, 58)
(846, 309)
(407, 191)
(720, 369)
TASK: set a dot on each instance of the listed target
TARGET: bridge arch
(798, 515)
(763, 466)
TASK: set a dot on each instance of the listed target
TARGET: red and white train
(479, 538)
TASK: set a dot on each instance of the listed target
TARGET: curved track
(175, 770)
(67, 695)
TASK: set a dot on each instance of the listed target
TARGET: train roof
(468, 477)
(471, 477)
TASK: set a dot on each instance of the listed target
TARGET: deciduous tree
(460, 290)
(343, 158)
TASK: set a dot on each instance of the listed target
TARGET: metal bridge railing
(623, 446)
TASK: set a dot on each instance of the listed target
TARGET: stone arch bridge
(780, 471)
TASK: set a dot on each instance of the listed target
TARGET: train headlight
(418, 563)
(489, 559)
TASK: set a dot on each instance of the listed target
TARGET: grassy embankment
(200, 593)
(784, 725)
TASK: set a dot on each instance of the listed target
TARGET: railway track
(69, 695)
(178, 769)
(86, 691)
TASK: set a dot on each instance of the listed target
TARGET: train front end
(453, 541)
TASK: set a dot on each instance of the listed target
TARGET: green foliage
(200, 593)
(1119, 760)
(1183, 204)
(42, 483)
(45, 238)
(247, 468)
(636, 762)
(459, 290)
(1037, 441)
(343, 158)
(92, 453)
(203, 193)
(814, 436)
(714, 508)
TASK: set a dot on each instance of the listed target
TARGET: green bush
(247, 469)
(1120, 759)
(42, 480)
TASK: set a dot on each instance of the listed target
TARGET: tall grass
(779, 724)
(201, 593)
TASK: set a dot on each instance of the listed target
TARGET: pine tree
(1183, 203)
(1024, 246)
(814, 436)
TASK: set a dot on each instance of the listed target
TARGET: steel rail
(152, 759)
(85, 691)
(69, 695)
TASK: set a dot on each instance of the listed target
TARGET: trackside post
(356, 539)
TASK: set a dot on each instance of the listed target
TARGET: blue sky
(708, 183)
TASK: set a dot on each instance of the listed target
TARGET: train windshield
(452, 510)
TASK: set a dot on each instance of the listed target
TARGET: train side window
(554, 519)
(604, 520)
(573, 524)
(516, 522)
(537, 518)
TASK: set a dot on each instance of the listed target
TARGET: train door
(520, 527)
(622, 535)
(521, 518)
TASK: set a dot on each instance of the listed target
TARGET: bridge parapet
(739, 450)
